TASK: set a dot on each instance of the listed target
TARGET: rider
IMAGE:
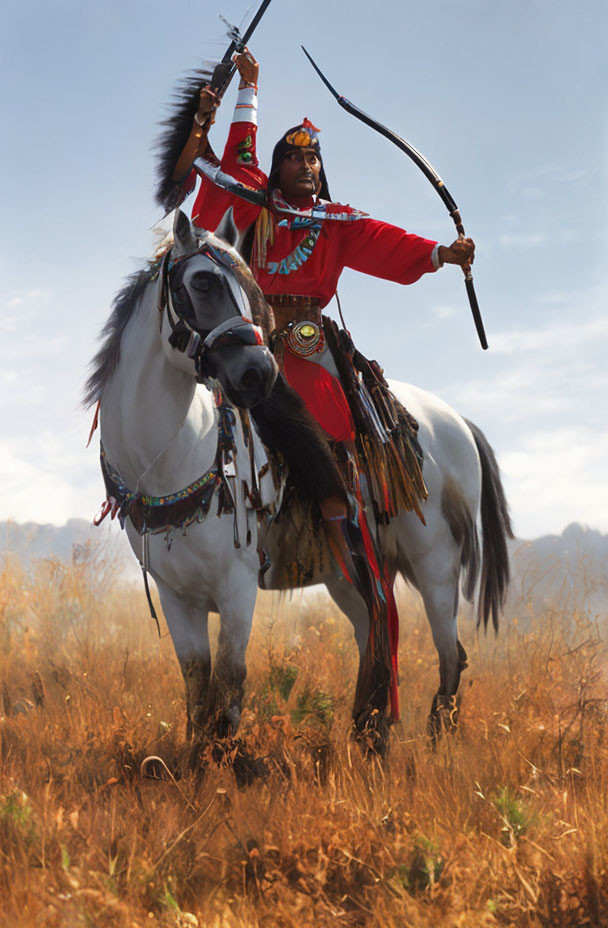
(297, 260)
(297, 257)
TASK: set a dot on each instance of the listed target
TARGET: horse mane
(260, 310)
(104, 363)
(177, 126)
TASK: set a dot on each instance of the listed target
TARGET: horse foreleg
(188, 626)
(369, 714)
(236, 607)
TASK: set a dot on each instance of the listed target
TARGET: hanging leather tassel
(264, 236)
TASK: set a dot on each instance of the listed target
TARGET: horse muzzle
(247, 376)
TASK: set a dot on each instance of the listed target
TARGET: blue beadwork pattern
(298, 256)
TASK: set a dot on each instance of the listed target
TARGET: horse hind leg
(370, 721)
(437, 578)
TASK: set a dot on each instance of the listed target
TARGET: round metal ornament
(305, 338)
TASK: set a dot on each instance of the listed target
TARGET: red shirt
(362, 244)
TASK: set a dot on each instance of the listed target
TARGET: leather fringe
(264, 236)
(386, 434)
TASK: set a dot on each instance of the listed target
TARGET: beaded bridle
(175, 301)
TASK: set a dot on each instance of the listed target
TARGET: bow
(429, 172)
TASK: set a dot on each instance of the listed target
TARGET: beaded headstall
(237, 330)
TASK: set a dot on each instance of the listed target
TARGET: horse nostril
(251, 378)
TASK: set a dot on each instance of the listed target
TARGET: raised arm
(240, 154)
(239, 158)
(197, 143)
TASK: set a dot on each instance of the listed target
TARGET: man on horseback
(297, 246)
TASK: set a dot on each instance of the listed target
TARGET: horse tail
(496, 528)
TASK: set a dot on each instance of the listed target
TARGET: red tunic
(365, 244)
(362, 244)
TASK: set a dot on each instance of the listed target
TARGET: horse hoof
(371, 732)
(443, 717)
(246, 768)
(228, 722)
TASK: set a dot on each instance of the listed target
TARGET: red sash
(323, 395)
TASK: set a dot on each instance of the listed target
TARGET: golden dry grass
(505, 823)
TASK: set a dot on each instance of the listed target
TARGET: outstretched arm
(386, 251)
(239, 158)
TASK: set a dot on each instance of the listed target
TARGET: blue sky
(508, 102)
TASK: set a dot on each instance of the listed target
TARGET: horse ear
(227, 230)
(183, 234)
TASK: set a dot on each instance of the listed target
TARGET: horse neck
(157, 428)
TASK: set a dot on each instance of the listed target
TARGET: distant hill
(565, 572)
(75, 541)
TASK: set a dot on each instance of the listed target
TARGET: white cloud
(48, 479)
(557, 477)
(553, 297)
(446, 312)
(523, 240)
(26, 301)
(532, 192)
(545, 411)
(548, 176)
(559, 335)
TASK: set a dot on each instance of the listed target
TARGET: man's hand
(207, 105)
(247, 67)
(461, 252)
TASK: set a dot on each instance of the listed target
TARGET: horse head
(211, 303)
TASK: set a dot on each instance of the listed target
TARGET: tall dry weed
(506, 823)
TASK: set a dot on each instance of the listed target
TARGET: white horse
(159, 433)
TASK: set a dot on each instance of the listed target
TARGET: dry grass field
(504, 823)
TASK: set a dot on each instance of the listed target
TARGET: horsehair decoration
(171, 193)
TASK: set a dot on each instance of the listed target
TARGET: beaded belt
(298, 322)
(291, 307)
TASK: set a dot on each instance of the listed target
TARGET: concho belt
(287, 307)
(304, 338)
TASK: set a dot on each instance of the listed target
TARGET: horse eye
(201, 284)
